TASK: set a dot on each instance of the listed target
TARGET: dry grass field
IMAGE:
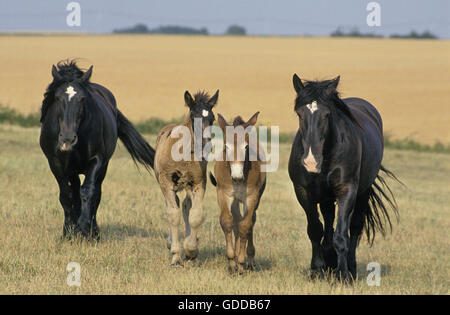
(407, 80)
(132, 257)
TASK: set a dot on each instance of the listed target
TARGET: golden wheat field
(407, 80)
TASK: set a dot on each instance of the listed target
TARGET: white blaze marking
(205, 113)
(70, 91)
(312, 107)
(237, 170)
(310, 162)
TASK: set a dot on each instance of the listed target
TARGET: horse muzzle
(67, 144)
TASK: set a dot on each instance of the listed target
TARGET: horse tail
(136, 145)
(213, 179)
(377, 214)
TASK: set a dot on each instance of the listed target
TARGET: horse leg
(356, 227)
(173, 213)
(328, 212)
(76, 199)
(226, 222)
(195, 220)
(245, 226)
(314, 229)
(90, 194)
(186, 207)
(251, 245)
(67, 195)
(237, 218)
(346, 203)
(66, 200)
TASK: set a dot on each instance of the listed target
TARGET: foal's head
(237, 144)
(68, 95)
(314, 105)
(200, 107)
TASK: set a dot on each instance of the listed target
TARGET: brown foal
(239, 180)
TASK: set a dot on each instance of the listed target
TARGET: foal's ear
(298, 85)
(213, 100)
(222, 122)
(333, 85)
(188, 99)
(252, 121)
(55, 73)
(87, 75)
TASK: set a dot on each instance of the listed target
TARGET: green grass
(132, 257)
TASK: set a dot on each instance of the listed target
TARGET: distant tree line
(168, 29)
(176, 29)
(354, 32)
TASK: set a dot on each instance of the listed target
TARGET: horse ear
(87, 75)
(188, 99)
(333, 85)
(55, 73)
(298, 85)
(213, 100)
(252, 121)
(222, 122)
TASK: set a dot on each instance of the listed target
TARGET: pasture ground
(132, 257)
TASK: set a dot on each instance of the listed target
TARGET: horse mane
(317, 91)
(68, 71)
(238, 121)
(201, 97)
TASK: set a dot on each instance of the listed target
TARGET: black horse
(80, 127)
(335, 159)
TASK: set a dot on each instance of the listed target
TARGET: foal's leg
(237, 218)
(251, 246)
(186, 207)
(174, 215)
(226, 222)
(245, 226)
(315, 230)
(341, 242)
(328, 212)
(195, 220)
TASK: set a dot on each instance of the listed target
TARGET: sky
(259, 17)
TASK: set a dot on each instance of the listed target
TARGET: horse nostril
(75, 138)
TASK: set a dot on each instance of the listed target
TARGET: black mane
(201, 97)
(318, 91)
(238, 121)
(68, 72)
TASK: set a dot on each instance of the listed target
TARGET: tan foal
(175, 175)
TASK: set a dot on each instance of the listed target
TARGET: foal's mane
(238, 121)
(68, 71)
(319, 91)
(201, 97)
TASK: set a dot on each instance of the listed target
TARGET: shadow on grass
(116, 231)
(218, 252)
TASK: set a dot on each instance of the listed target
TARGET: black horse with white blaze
(336, 159)
(80, 127)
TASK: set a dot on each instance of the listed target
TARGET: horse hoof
(317, 274)
(240, 268)
(191, 254)
(176, 265)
